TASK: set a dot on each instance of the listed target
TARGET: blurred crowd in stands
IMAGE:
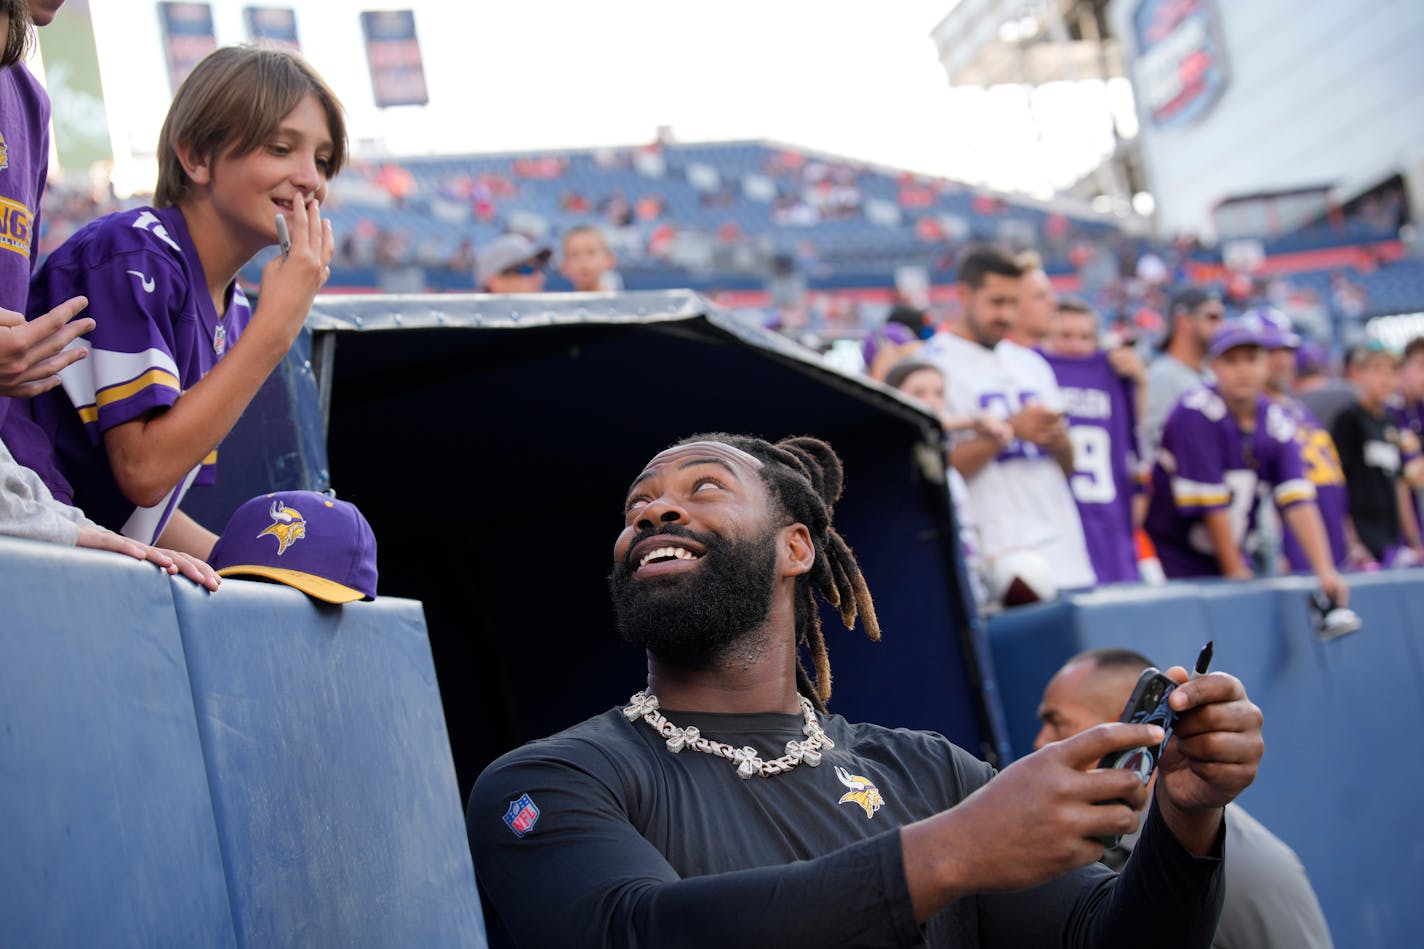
(868, 266)
(812, 245)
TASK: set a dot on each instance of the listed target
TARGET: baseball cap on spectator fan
(505, 252)
(1311, 359)
(894, 334)
(1233, 335)
(321, 546)
(1273, 326)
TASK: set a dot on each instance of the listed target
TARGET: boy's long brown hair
(231, 104)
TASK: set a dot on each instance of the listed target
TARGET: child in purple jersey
(1219, 443)
(1100, 403)
(1408, 415)
(252, 134)
(1319, 459)
(31, 354)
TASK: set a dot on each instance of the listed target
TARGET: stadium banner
(71, 61)
(1180, 63)
(393, 52)
(187, 37)
(272, 26)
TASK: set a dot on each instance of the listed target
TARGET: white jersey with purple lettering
(1102, 421)
(1208, 462)
(156, 334)
(1021, 497)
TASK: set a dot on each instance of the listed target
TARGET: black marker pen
(1203, 660)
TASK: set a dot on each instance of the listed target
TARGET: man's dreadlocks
(805, 478)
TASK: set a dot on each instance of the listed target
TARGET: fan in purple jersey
(31, 354)
(252, 135)
(1409, 417)
(1100, 391)
(1319, 458)
(1220, 442)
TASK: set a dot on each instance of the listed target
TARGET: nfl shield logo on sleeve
(521, 816)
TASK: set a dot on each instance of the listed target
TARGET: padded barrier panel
(1341, 777)
(107, 836)
(336, 801)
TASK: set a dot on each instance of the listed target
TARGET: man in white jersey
(1019, 492)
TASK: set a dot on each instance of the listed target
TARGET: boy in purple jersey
(1219, 443)
(1100, 397)
(252, 135)
(1319, 458)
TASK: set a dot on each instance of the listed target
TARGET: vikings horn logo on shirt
(288, 526)
(861, 792)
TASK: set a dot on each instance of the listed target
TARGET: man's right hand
(1038, 424)
(32, 354)
(1036, 820)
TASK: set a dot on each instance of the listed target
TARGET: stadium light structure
(987, 43)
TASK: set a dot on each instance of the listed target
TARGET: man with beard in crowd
(669, 822)
(1019, 491)
(1193, 317)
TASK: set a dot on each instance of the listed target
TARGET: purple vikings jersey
(1409, 417)
(1102, 421)
(1321, 463)
(1207, 463)
(24, 165)
(157, 335)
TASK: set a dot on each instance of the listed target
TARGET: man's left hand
(1125, 361)
(1214, 754)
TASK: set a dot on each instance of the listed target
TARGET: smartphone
(1146, 706)
(284, 238)
(1117, 338)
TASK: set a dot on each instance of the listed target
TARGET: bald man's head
(1090, 689)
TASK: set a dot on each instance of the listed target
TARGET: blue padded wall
(338, 811)
(1340, 780)
(107, 835)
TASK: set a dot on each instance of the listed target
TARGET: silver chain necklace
(644, 705)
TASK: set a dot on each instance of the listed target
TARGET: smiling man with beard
(723, 805)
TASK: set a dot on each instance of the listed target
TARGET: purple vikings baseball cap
(893, 334)
(1311, 358)
(1273, 326)
(1232, 335)
(321, 546)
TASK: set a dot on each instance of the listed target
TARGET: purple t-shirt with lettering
(1321, 463)
(157, 335)
(1206, 462)
(1102, 422)
(24, 166)
(1409, 417)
